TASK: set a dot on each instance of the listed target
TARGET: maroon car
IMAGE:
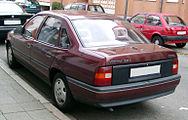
(97, 59)
(161, 28)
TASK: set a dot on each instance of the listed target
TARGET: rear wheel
(61, 93)
(158, 40)
(180, 45)
(10, 57)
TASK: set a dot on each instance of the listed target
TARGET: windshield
(98, 33)
(5, 8)
(174, 21)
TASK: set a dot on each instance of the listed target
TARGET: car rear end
(132, 69)
(31, 6)
(176, 30)
(11, 18)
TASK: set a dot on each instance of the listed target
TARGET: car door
(22, 42)
(138, 21)
(153, 25)
(44, 49)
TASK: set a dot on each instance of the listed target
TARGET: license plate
(32, 6)
(12, 22)
(142, 71)
(181, 32)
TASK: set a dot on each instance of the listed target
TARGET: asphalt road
(171, 107)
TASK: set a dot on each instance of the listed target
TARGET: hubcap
(10, 55)
(157, 42)
(60, 91)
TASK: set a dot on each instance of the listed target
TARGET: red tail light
(39, 7)
(103, 76)
(175, 66)
(170, 31)
(24, 6)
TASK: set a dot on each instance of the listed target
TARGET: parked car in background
(11, 16)
(161, 28)
(97, 59)
(85, 7)
(30, 6)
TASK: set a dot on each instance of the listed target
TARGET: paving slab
(18, 116)
(19, 101)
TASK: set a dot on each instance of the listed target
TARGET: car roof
(4, 1)
(159, 14)
(80, 14)
(85, 3)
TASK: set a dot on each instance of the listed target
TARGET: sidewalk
(18, 101)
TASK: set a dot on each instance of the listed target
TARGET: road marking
(182, 53)
(183, 108)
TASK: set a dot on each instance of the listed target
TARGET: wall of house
(136, 6)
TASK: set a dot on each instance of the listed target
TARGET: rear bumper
(5, 29)
(175, 39)
(117, 95)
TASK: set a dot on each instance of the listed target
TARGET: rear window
(174, 21)
(95, 8)
(98, 33)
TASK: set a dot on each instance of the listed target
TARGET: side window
(32, 26)
(74, 7)
(50, 31)
(139, 19)
(91, 8)
(153, 20)
(67, 7)
(81, 7)
(64, 39)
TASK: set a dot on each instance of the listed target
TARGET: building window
(172, 0)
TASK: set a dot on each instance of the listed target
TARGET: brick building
(178, 7)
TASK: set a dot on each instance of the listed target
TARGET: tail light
(24, 6)
(170, 30)
(103, 76)
(175, 66)
(39, 7)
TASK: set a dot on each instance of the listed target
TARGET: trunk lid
(136, 53)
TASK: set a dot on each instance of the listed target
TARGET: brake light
(39, 7)
(24, 6)
(175, 66)
(170, 30)
(103, 76)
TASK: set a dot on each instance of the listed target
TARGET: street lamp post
(126, 6)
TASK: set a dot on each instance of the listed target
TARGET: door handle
(140, 26)
(48, 54)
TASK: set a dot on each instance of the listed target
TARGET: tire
(180, 45)
(158, 40)
(10, 57)
(61, 93)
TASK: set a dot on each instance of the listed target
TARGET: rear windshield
(95, 8)
(98, 33)
(10, 8)
(32, 2)
(174, 21)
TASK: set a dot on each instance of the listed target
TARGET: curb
(33, 92)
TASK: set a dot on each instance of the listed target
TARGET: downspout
(161, 5)
(126, 6)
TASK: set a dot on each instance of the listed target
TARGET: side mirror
(128, 20)
(19, 30)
